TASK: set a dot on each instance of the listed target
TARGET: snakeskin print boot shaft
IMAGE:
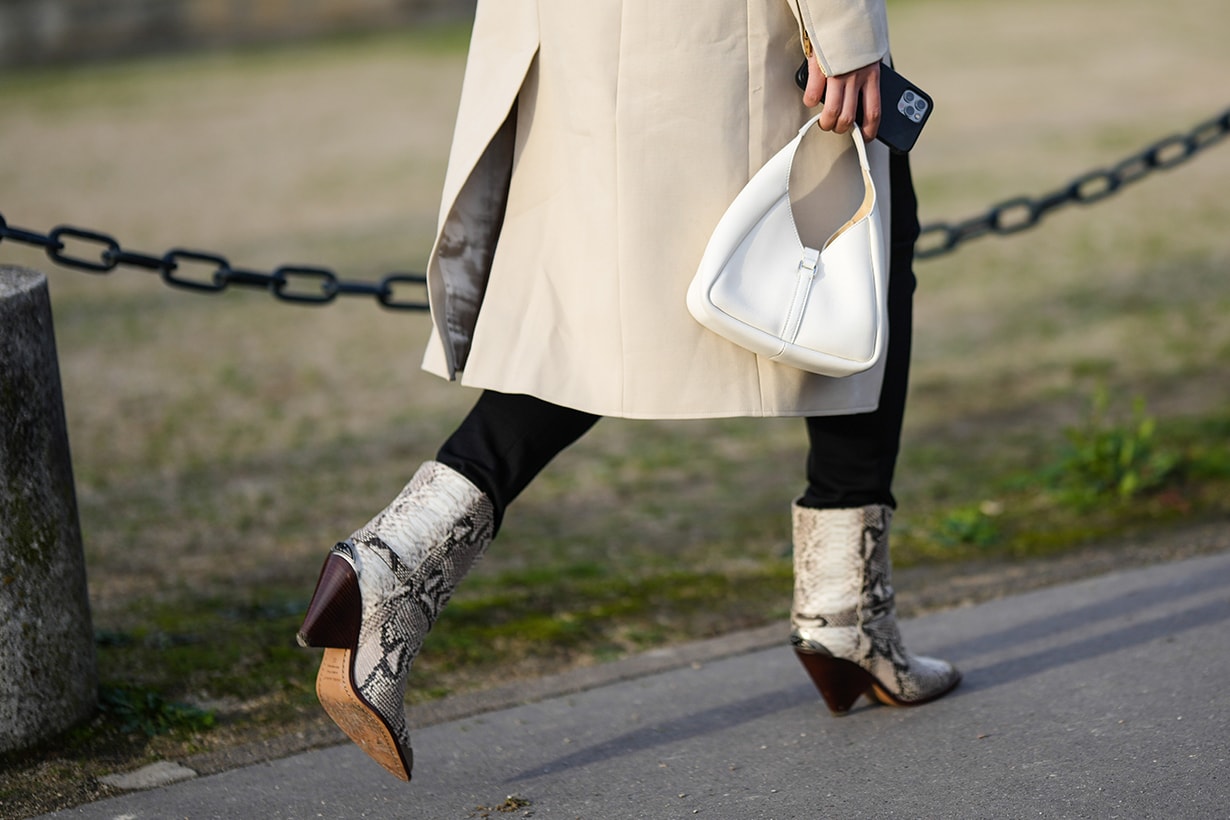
(379, 593)
(844, 624)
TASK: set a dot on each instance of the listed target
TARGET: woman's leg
(843, 621)
(507, 439)
(381, 590)
(852, 457)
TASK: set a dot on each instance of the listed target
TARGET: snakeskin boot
(379, 593)
(844, 624)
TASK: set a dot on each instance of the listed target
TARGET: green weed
(1107, 460)
(135, 708)
(968, 526)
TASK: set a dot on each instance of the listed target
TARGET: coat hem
(674, 415)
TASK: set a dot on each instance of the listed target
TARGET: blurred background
(1070, 398)
(57, 31)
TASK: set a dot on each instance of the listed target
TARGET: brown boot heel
(334, 613)
(839, 681)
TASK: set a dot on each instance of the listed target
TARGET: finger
(814, 93)
(834, 102)
(873, 105)
(847, 113)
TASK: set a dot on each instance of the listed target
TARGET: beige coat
(600, 141)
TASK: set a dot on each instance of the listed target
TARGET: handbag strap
(859, 143)
(870, 195)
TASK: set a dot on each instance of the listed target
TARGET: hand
(841, 95)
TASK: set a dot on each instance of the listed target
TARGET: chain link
(97, 252)
(1022, 212)
(100, 253)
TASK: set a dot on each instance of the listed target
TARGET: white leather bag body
(794, 270)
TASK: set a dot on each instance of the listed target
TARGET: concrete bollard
(48, 668)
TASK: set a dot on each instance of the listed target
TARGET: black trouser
(506, 440)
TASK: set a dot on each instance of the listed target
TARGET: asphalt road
(1102, 698)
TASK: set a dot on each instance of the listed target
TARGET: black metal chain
(1021, 213)
(311, 285)
(302, 284)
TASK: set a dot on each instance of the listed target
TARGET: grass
(221, 443)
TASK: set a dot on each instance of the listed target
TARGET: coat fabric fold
(597, 144)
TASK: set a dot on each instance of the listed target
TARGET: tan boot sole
(353, 715)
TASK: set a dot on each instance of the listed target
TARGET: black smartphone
(905, 108)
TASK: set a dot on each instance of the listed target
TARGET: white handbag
(817, 303)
